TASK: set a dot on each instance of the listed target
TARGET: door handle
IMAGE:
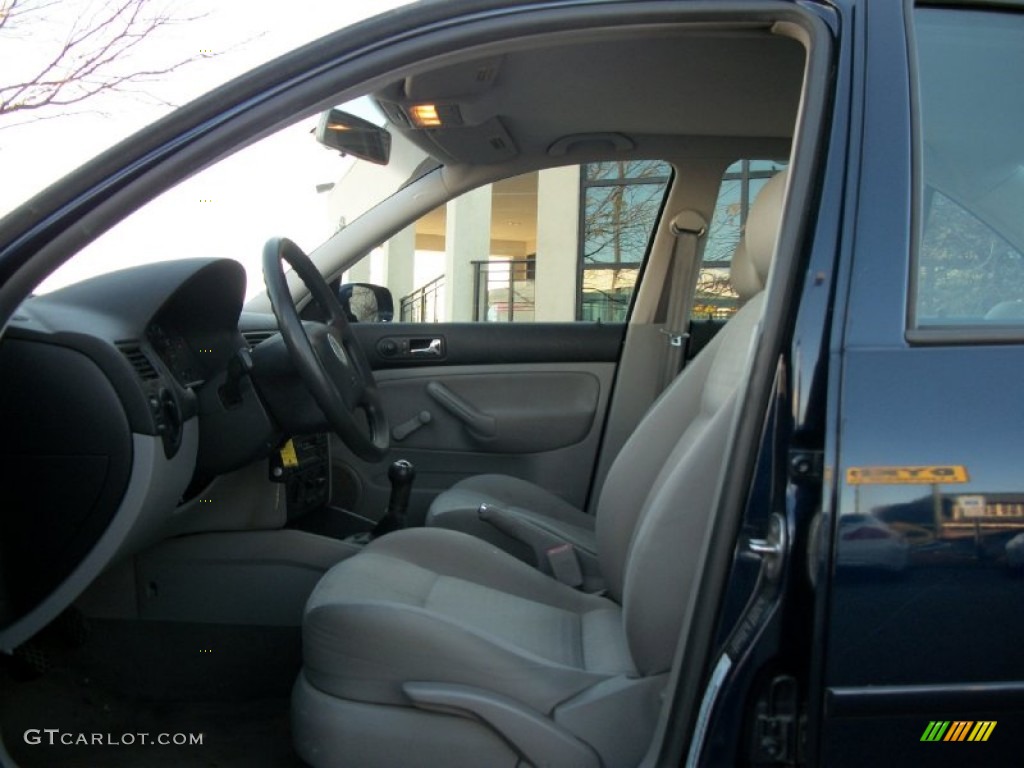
(479, 423)
(426, 347)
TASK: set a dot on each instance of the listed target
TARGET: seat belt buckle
(565, 565)
(676, 338)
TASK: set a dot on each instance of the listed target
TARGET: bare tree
(621, 205)
(619, 217)
(95, 56)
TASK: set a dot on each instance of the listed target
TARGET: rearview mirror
(354, 136)
(367, 303)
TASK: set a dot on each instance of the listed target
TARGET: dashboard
(121, 400)
(177, 354)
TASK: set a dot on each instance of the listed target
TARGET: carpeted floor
(231, 685)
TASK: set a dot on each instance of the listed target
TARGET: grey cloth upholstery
(694, 395)
(457, 508)
(329, 731)
(442, 606)
(437, 609)
(678, 418)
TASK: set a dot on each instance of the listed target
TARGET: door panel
(490, 409)
(523, 400)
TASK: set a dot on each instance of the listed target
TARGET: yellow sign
(288, 456)
(955, 473)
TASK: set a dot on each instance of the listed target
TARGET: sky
(245, 34)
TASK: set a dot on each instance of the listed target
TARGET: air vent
(255, 338)
(138, 360)
(498, 143)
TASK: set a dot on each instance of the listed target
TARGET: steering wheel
(328, 356)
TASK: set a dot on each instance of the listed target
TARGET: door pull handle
(479, 423)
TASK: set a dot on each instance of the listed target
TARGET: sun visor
(481, 144)
(457, 81)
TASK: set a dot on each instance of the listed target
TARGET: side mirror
(354, 136)
(367, 303)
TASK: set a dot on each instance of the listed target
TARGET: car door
(510, 309)
(919, 631)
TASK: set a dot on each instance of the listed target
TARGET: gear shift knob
(401, 474)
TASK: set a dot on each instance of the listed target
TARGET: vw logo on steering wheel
(337, 349)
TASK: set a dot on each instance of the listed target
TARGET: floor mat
(155, 694)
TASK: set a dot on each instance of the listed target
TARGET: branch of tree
(89, 61)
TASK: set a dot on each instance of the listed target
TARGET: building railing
(424, 304)
(504, 290)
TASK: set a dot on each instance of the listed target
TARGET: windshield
(285, 185)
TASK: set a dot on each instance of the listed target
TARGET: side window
(965, 271)
(715, 298)
(621, 202)
(969, 271)
(560, 244)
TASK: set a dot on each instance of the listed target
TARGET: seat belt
(689, 228)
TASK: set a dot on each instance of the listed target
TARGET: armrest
(565, 551)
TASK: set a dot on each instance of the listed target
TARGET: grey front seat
(433, 647)
(526, 520)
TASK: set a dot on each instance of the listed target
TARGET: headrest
(753, 256)
(742, 274)
(1006, 310)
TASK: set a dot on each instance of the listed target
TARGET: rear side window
(620, 204)
(714, 298)
(554, 245)
(969, 271)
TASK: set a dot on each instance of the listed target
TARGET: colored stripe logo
(958, 730)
